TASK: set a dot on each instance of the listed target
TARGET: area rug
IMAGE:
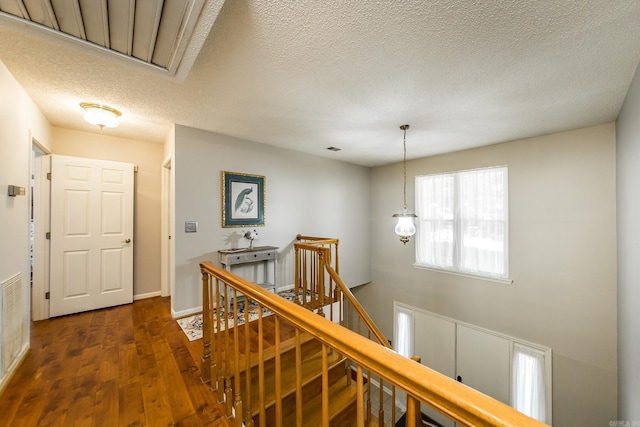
(192, 325)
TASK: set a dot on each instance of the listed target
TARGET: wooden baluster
(205, 370)
(312, 280)
(368, 402)
(261, 392)
(298, 273)
(278, 379)
(247, 365)
(337, 263)
(320, 275)
(212, 333)
(298, 379)
(237, 403)
(381, 400)
(413, 413)
(360, 396)
(305, 283)
(325, 387)
(228, 391)
(393, 403)
(218, 346)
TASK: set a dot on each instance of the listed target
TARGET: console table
(258, 254)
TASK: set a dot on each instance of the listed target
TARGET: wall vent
(11, 320)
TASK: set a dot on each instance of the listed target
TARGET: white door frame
(40, 200)
(166, 234)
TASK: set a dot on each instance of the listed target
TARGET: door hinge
(47, 295)
(135, 168)
(47, 235)
(49, 176)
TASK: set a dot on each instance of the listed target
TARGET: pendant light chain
(404, 164)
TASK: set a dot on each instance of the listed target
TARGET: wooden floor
(123, 366)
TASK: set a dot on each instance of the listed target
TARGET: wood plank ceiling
(155, 32)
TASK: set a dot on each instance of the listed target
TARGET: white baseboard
(13, 368)
(147, 295)
(185, 313)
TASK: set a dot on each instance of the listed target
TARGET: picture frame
(243, 200)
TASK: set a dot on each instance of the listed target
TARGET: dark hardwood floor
(123, 366)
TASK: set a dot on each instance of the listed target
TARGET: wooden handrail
(457, 401)
(355, 304)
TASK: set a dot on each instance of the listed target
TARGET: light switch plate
(190, 226)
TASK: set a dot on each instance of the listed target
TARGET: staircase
(307, 362)
(286, 383)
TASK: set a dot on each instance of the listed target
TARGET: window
(403, 331)
(528, 391)
(463, 221)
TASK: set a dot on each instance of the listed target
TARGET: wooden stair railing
(317, 266)
(261, 369)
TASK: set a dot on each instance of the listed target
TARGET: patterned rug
(192, 325)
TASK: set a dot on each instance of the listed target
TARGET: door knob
(128, 241)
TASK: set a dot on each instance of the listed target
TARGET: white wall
(20, 120)
(628, 139)
(304, 194)
(562, 201)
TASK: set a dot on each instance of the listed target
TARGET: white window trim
(506, 280)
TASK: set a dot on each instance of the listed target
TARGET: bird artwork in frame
(242, 199)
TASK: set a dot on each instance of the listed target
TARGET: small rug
(192, 325)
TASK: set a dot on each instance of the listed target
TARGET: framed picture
(242, 199)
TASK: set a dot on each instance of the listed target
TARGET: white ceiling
(307, 75)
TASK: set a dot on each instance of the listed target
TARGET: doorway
(166, 248)
(39, 193)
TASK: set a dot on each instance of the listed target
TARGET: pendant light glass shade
(405, 228)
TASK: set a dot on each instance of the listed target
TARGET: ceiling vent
(152, 33)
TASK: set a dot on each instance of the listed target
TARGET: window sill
(471, 276)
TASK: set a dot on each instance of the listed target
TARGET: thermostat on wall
(190, 226)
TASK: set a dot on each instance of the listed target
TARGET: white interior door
(91, 234)
(482, 362)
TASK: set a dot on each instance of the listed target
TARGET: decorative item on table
(250, 235)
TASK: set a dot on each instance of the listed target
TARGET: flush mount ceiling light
(102, 116)
(405, 227)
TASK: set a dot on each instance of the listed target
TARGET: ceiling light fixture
(101, 115)
(405, 227)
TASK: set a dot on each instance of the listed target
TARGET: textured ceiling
(307, 75)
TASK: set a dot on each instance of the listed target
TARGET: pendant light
(405, 227)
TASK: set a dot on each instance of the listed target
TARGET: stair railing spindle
(360, 397)
(237, 402)
(228, 391)
(217, 338)
(278, 379)
(298, 379)
(325, 387)
(261, 389)
(206, 333)
(247, 365)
